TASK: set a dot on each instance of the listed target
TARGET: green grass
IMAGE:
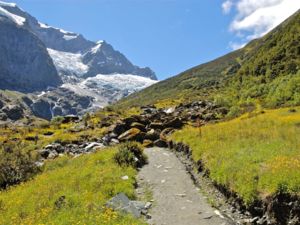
(254, 156)
(86, 182)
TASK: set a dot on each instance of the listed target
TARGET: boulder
(52, 155)
(138, 126)
(160, 143)
(13, 112)
(122, 203)
(149, 109)
(3, 116)
(175, 123)
(170, 110)
(106, 139)
(128, 121)
(119, 128)
(164, 134)
(55, 147)
(131, 135)
(104, 123)
(70, 118)
(141, 119)
(93, 146)
(114, 141)
(152, 135)
(44, 153)
(148, 143)
(156, 125)
(1, 104)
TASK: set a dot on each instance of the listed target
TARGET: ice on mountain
(42, 25)
(16, 19)
(69, 37)
(7, 4)
(65, 61)
(95, 49)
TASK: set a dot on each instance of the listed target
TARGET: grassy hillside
(70, 191)
(266, 71)
(255, 155)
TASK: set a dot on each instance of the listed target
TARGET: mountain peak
(8, 4)
(98, 46)
(4, 12)
(91, 58)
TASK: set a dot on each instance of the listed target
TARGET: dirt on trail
(176, 200)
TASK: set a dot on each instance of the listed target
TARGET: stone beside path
(176, 200)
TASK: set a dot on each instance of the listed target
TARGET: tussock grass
(70, 191)
(255, 155)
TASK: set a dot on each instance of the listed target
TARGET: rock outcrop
(60, 102)
(25, 64)
(153, 126)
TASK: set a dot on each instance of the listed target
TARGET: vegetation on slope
(266, 71)
(19, 144)
(70, 191)
(255, 156)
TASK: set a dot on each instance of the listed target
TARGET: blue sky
(169, 36)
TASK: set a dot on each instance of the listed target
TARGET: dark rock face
(3, 116)
(107, 61)
(27, 100)
(42, 109)
(13, 112)
(24, 61)
(60, 102)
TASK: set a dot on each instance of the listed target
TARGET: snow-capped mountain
(25, 64)
(106, 89)
(35, 56)
(98, 57)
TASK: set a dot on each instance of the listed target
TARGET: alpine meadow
(88, 137)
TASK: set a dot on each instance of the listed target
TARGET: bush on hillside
(57, 121)
(16, 167)
(130, 154)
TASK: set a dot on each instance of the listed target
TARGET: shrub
(16, 167)
(57, 121)
(130, 154)
(234, 112)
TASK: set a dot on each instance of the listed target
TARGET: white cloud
(255, 18)
(226, 6)
(235, 45)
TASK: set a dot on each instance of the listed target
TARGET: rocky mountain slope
(24, 61)
(87, 95)
(96, 58)
(266, 71)
(36, 58)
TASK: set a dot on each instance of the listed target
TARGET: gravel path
(177, 201)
